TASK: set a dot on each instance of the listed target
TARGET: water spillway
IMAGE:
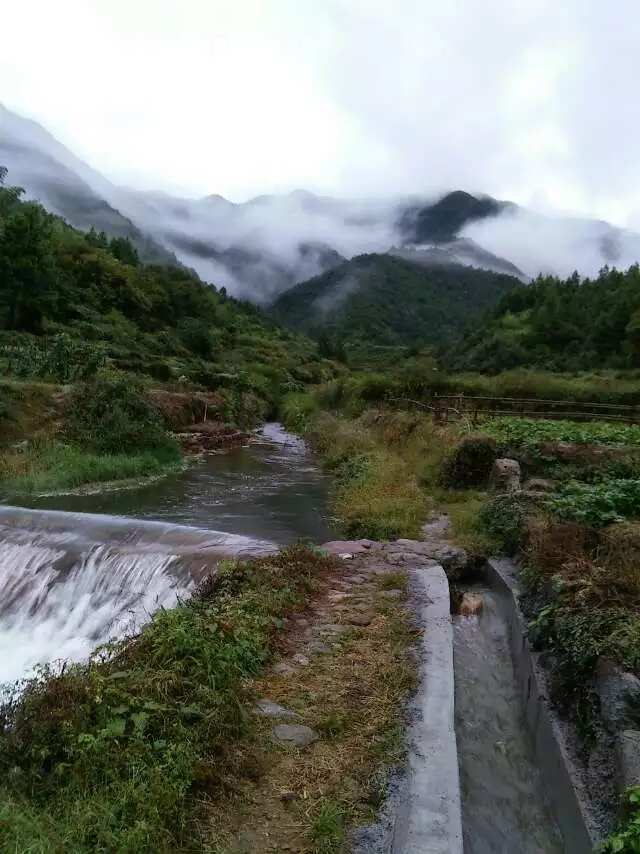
(71, 581)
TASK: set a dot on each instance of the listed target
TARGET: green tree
(124, 250)
(27, 267)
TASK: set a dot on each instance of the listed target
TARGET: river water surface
(74, 579)
(271, 489)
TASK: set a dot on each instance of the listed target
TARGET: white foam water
(70, 581)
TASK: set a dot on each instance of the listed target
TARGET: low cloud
(538, 243)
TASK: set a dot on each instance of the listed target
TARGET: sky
(529, 100)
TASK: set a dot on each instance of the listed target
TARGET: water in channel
(74, 579)
(504, 809)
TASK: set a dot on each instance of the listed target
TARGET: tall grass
(50, 466)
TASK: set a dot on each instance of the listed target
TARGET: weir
(71, 581)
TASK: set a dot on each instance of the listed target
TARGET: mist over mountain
(260, 248)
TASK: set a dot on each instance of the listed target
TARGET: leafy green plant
(502, 519)
(626, 838)
(531, 432)
(597, 504)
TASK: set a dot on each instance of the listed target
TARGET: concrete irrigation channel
(488, 768)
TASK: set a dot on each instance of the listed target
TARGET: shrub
(503, 520)
(112, 414)
(469, 464)
(297, 411)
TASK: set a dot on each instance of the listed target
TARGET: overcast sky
(531, 100)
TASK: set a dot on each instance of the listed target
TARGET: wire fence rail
(471, 408)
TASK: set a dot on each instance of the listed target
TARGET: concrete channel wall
(429, 817)
(562, 779)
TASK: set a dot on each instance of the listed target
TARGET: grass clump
(120, 754)
(327, 831)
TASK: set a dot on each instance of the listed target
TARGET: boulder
(539, 485)
(506, 475)
(363, 619)
(470, 604)
(619, 695)
(342, 548)
(296, 734)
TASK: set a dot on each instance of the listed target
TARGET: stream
(271, 489)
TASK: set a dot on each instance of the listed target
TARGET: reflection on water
(503, 803)
(271, 489)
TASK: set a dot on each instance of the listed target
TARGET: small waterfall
(71, 581)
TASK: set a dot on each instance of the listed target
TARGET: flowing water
(71, 580)
(504, 809)
(271, 489)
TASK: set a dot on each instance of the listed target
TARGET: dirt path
(330, 712)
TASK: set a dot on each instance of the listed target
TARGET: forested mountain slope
(161, 321)
(565, 325)
(386, 300)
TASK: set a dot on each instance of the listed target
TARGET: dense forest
(558, 325)
(388, 301)
(70, 300)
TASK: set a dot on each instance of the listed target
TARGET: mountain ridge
(260, 248)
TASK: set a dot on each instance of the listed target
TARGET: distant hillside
(95, 299)
(561, 325)
(259, 248)
(389, 301)
(66, 186)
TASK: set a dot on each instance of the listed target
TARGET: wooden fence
(452, 407)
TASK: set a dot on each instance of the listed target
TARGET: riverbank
(188, 706)
(108, 434)
(561, 495)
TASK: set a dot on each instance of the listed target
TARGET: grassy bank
(386, 467)
(50, 466)
(154, 744)
(122, 753)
